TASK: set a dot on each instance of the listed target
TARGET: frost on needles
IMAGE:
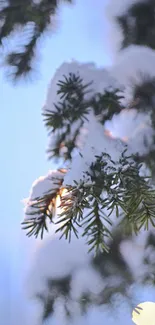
(101, 176)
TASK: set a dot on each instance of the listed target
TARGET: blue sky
(81, 34)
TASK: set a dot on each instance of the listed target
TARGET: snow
(120, 7)
(99, 314)
(132, 128)
(136, 265)
(56, 258)
(33, 309)
(43, 185)
(133, 63)
(46, 183)
(88, 72)
(86, 280)
(95, 144)
(121, 73)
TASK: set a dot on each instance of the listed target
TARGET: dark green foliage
(113, 263)
(138, 24)
(106, 188)
(150, 260)
(107, 104)
(144, 99)
(144, 92)
(34, 19)
(124, 189)
(60, 285)
(43, 208)
(71, 109)
(151, 240)
(48, 307)
(57, 288)
(144, 96)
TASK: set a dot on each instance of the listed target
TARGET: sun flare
(144, 314)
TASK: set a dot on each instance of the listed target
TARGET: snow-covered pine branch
(130, 258)
(40, 207)
(77, 106)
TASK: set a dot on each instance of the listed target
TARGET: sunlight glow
(125, 114)
(144, 314)
(62, 193)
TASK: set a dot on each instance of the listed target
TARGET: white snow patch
(88, 72)
(136, 253)
(55, 258)
(43, 185)
(86, 280)
(95, 143)
(120, 7)
(132, 127)
(133, 63)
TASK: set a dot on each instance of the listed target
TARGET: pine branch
(108, 188)
(72, 216)
(41, 209)
(125, 191)
(140, 28)
(107, 104)
(44, 208)
(72, 206)
(23, 13)
(95, 229)
(73, 110)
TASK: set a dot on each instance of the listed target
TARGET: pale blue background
(81, 34)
